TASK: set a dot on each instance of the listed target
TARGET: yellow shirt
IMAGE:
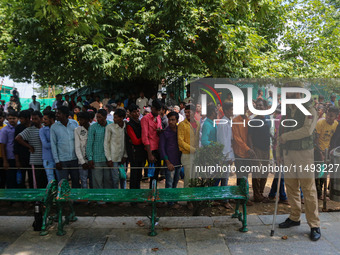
(187, 137)
(1, 127)
(325, 132)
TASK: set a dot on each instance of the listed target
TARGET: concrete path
(176, 235)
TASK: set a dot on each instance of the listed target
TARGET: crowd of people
(93, 141)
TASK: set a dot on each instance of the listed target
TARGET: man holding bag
(115, 150)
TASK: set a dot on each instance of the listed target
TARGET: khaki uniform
(297, 150)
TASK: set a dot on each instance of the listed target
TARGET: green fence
(44, 102)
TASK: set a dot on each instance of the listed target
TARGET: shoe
(285, 202)
(267, 200)
(315, 234)
(264, 200)
(289, 223)
(302, 201)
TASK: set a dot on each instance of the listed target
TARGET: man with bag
(151, 128)
(115, 150)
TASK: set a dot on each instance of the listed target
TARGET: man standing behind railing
(114, 147)
(62, 144)
(241, 146)
(7, 149)
(325, 128)
(168, 148)
(188, 135)
(224, 136)
(22, 154)
(151, 128)
(2, 171)
(101, 177)
(31, 135)
(45, 137)
(259, 141)
(134, 146)
(80, 138)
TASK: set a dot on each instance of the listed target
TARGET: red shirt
(150, 124)
(133, 137)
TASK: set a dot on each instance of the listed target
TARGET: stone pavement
(176, 235)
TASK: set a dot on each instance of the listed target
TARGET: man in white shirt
(105, 99)
(180, 116)
(80, 140)
(34, 104)
(224, 136)
(142, 102)
(66, 101)
(189, 99)
(109, 109)
(114, 147)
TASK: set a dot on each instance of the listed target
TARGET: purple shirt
(168, 146)
(7, 137)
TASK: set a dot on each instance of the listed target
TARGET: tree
(42, 91)
(80, 42)
(310, 45)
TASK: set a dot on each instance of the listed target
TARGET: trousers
(296, 178)
(259, 179)
(101, 177)
(187, 162)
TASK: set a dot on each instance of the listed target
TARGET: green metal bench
(66, 195)
(239, 193)
(29, 195)
(62, 197)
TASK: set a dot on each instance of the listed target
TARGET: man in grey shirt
(35, 105)
(30, 138)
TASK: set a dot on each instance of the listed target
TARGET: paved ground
(176, 235)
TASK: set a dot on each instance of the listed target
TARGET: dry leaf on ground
(140, 223)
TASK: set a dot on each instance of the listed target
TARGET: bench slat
(112, 195)
(199, 193)
(22, 194)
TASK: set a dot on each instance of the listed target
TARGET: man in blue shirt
(224, 136)
(208, 129)
(7, 149)
(62, 144)
(45, 137)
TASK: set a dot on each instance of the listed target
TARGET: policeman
(296, 150)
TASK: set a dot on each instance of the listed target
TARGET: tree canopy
(74, 42)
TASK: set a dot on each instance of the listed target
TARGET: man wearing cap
(34, 104)
(295, 147)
